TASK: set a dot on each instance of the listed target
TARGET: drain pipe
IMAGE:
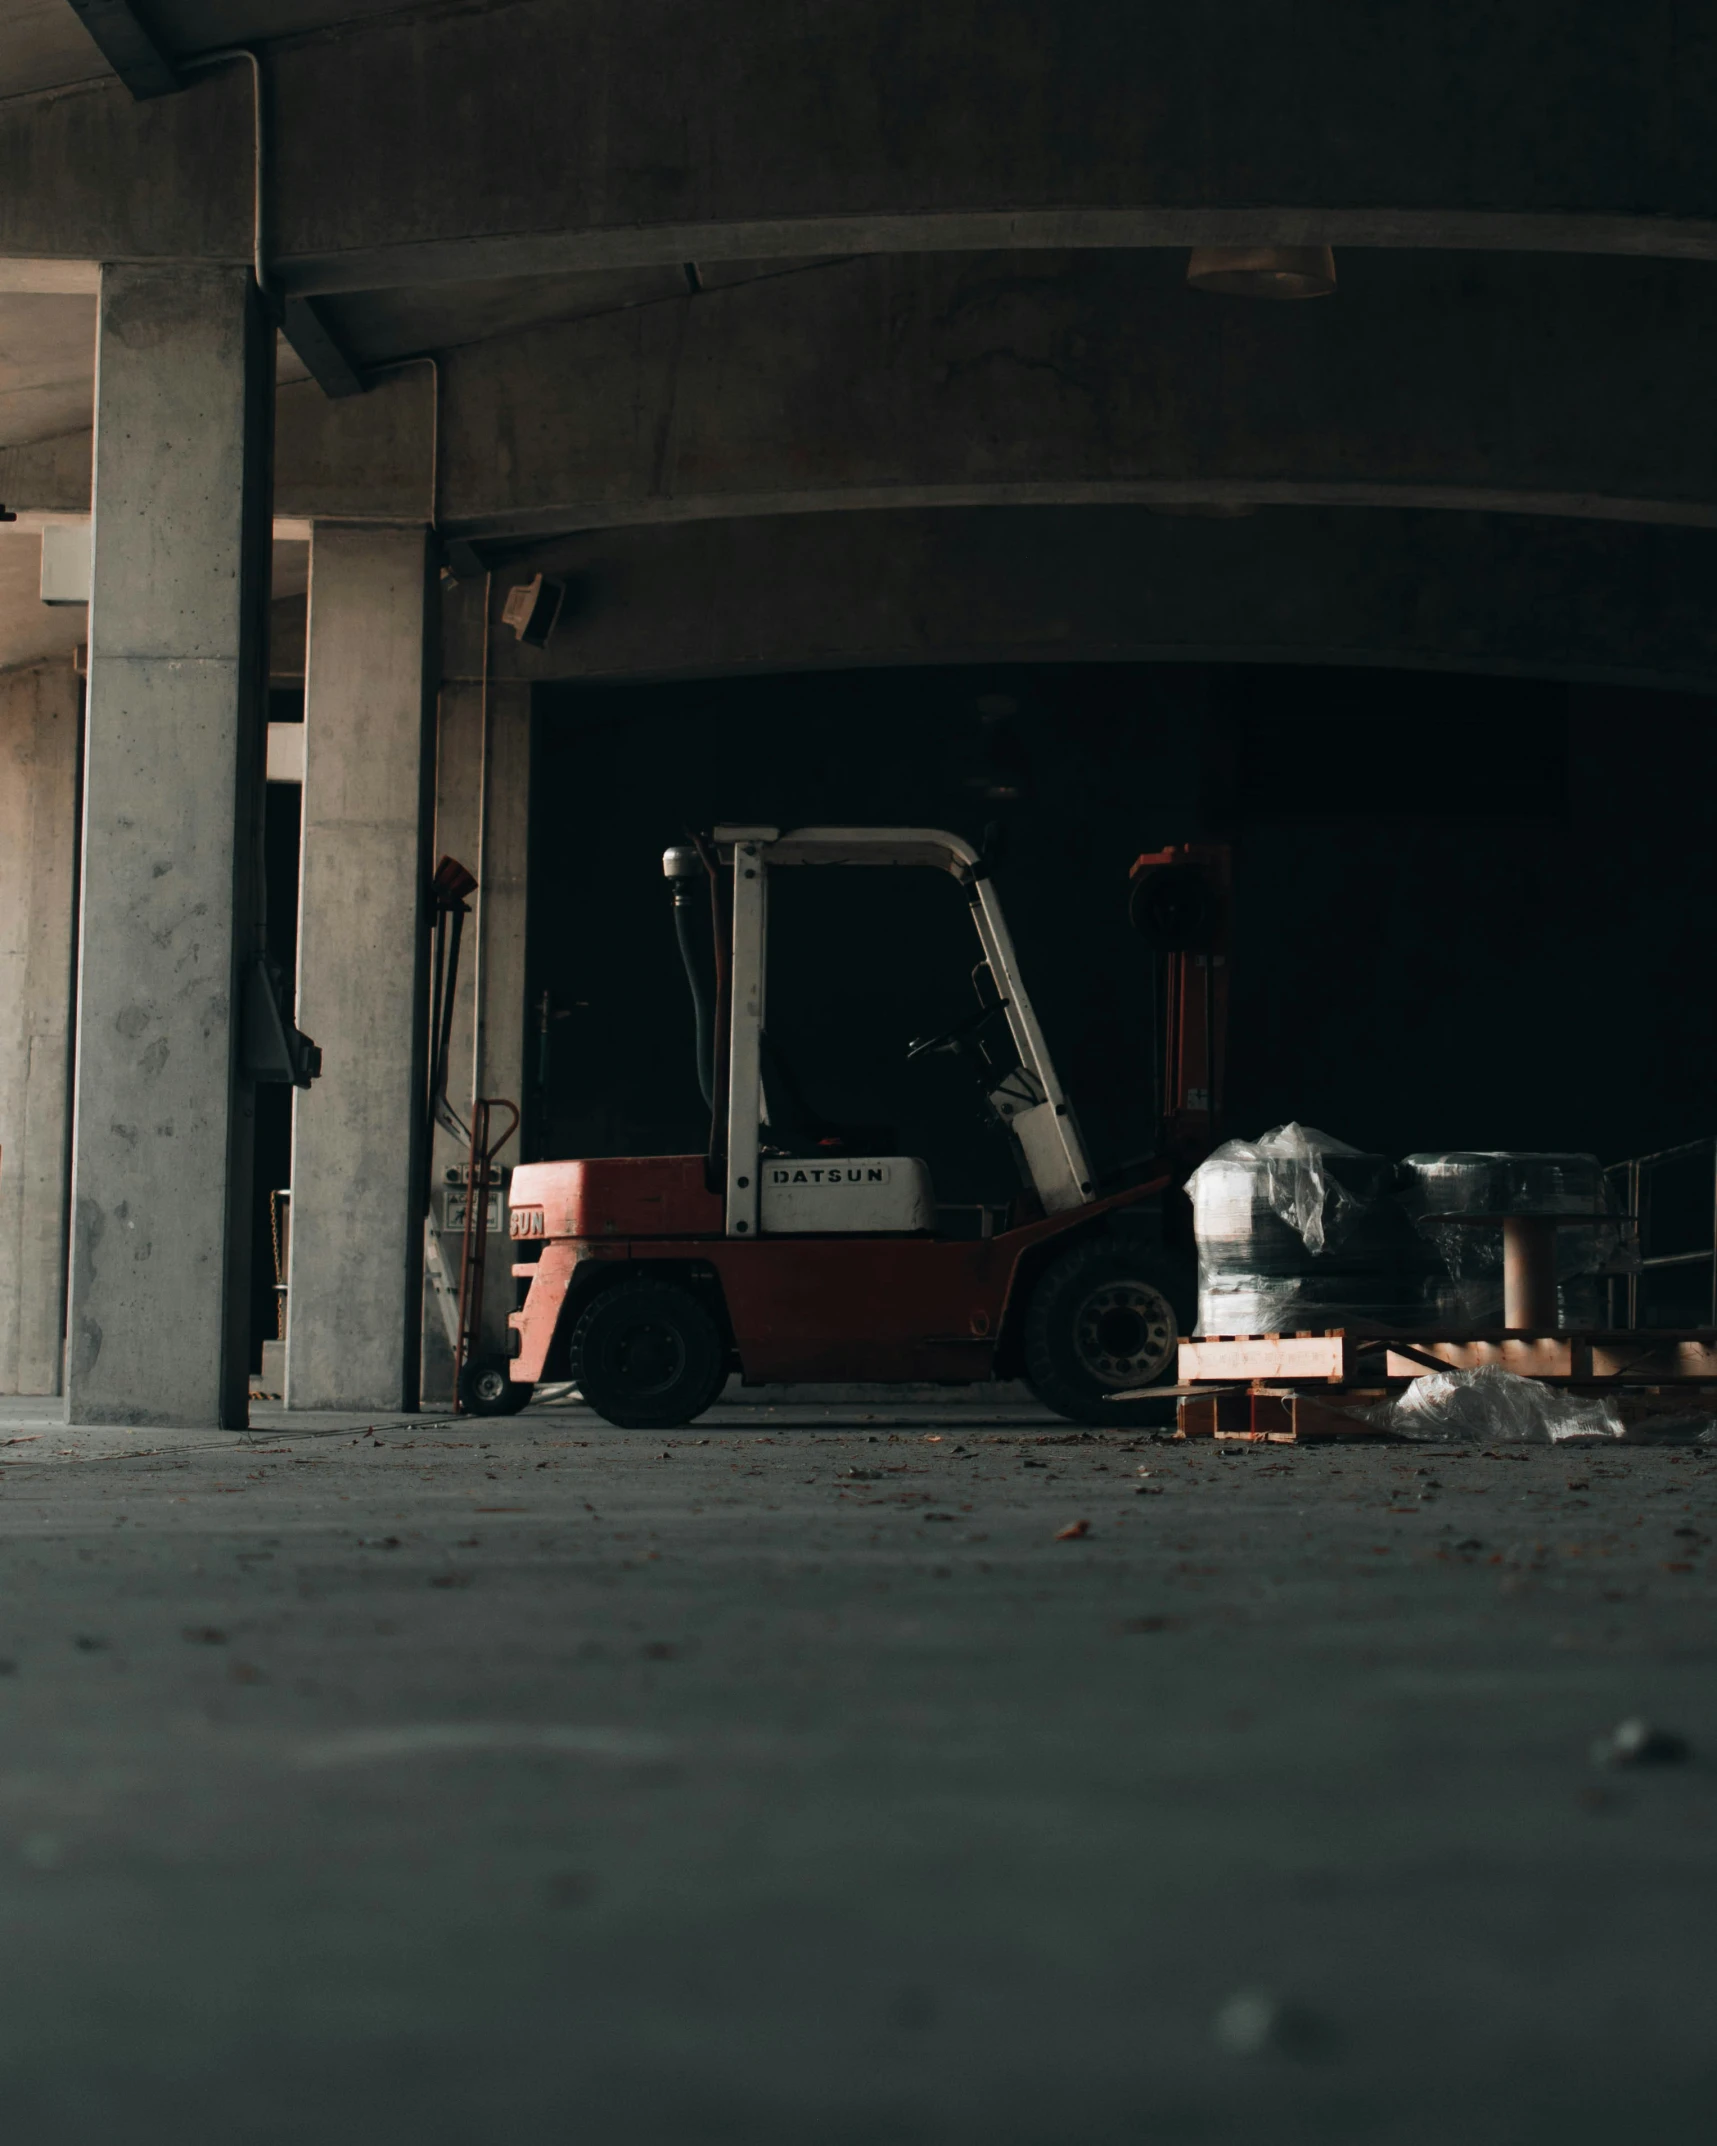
(259, 151)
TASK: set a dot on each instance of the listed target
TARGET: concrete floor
(787, 1780)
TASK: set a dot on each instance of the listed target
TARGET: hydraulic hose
(703, 1007)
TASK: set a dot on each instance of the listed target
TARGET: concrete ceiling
(686, 264)
(457, 143)
(44, 46)
(47, 342)
(30, 630)
(375, 326)
(47, 365)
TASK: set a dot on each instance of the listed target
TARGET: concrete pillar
(354, 1279)
(39, 723)
(158, 1319)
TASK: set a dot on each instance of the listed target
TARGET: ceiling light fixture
(1263, 271)
(532, 609)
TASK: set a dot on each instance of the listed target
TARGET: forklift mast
(1180, 905)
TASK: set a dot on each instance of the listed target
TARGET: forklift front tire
(486, 1389)
(648, 1356)
(1101, 1319)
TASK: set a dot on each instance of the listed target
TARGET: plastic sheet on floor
(1491, 1406)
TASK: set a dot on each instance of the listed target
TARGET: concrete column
(158, 1320)
(482, 817)
(354, 1278)
(39, 722)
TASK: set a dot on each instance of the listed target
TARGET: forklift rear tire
(647, 1356)
(485, 1389)
(1101, 1320)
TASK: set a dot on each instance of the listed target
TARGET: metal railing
(1669, 1192)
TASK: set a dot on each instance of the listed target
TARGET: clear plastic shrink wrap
(1299, 1230)
(1491, 1406)
(1437, 1188)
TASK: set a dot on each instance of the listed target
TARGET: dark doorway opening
(272, 1172)
(1469, 911)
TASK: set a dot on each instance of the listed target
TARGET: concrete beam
(158, 1327)
(1525, 384)
(1592, 601)
(126, 46)
(39, 722)
(455, 144)
(1535, 385)
(359, 458)
(305, 326)
(113, 180)
(368, 458)
(353, 1289)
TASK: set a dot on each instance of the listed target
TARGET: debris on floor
(1253, 2023)
(1635, 1742)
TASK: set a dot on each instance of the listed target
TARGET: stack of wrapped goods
(1298, 1233)
(1453, 1199)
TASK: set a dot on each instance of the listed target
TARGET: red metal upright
(1180, 905)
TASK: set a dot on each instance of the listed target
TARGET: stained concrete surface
(786, 1778)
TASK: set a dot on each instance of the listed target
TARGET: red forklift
(794, 1254)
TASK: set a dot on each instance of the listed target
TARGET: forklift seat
(795, 1128)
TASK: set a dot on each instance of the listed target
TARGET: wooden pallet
(1287, 1388)
(1275, 1415)
(1633, 1357)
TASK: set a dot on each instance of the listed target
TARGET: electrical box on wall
(65, 563)
(286, 752)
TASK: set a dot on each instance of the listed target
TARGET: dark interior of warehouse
(1479, 919)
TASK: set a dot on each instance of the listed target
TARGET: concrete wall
(39, 721)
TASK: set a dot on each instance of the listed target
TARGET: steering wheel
(955, 1038)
